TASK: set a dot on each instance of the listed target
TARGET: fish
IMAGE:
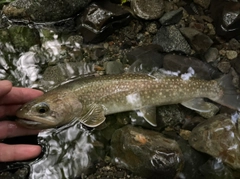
(90, 99)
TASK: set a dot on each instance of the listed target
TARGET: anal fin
(149, 114)
(197, 104)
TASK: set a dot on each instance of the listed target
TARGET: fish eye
(42, 108)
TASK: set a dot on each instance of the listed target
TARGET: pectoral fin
(197, 104)
(149, 114)
(93, 116)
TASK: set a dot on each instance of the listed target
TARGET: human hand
(11, 98)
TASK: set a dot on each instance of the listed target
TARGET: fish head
(48, 111)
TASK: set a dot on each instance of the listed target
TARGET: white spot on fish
(134, 99)
(189, 74)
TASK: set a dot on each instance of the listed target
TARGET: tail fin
(230, 97)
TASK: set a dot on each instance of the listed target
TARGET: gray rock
(113, 67)
(170, 115)
(224, 66)
(140, 61)
(100, 19)
(231, 54)
(203, 3)
(148, 9)
(218, 137)
(172, 17)
(44, 10)
(170, 39)
(182, 63)
(198, 41)
(211, 55)
(146, 152)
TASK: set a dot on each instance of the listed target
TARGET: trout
(90, 99)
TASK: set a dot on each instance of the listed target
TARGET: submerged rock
(172, 17)
(182, 63)
(148, 9)
(198, 41)
(218, 137)
(140, 61)
(146, 152)
(44, 10)
(100, 19)
(226, 18)
(20, 37)
(170, 39)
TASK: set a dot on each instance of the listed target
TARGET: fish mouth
(28, 122)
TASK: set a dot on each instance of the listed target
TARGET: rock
(231, 54)
(113, 67)
(203, 3)
(148, 9)
(214, 168)
(226, 18)
(172, 17)
(235, 63)
(170, 39)
(100, 19)
(169, 116)
(140, 61)
(44, 10)
(198, 41)
(152, 28)
(192, 161)
(218, 137)
(211, 55)
(182, 63)
(145, 152)
(20, 37)
(224, 66)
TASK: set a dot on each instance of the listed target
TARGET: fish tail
(230, 97)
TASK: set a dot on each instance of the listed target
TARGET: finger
(5, 87)
(9, 153)
(8, 110)
(12, 129)
(20, 95)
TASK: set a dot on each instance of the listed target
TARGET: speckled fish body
(90, 99)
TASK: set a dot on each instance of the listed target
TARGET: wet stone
(43, 10)
(170, 39)
(235, 63)
(198, 41)
(145, 152)
(211, 55)
(113, 67)
(21, 37)
(224, 66)
(182, 63)
(226, 18)
(218, 137)
(214, 168)
(192, 161)
(140, 61)
(148, 9)
(203, 3)
(109, 17)
(170, 115)
(172, 17)
(231, 54)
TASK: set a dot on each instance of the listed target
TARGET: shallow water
(69, 152)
